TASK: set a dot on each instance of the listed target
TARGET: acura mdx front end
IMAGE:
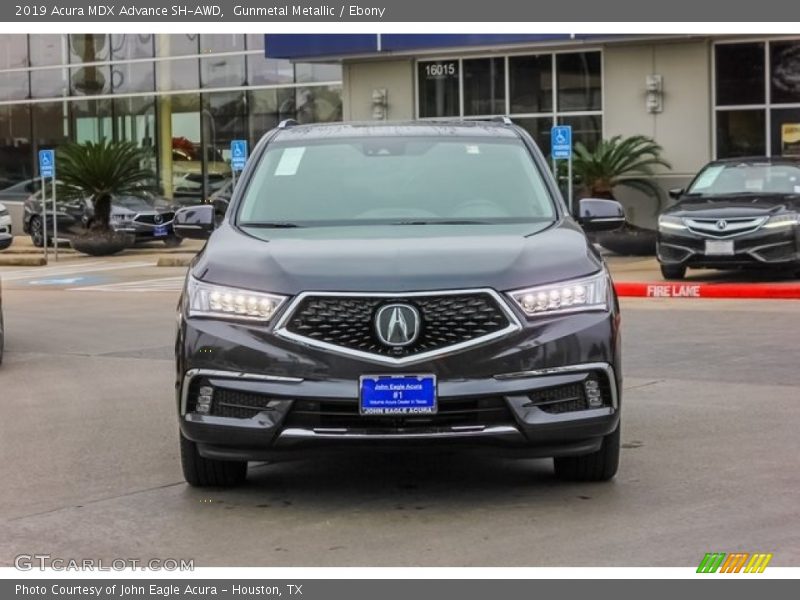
(394, 286)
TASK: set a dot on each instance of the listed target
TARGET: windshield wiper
(270, 224)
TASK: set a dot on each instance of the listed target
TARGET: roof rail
(286, 123)
(505, 120)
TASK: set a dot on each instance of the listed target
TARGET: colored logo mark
(736, 562)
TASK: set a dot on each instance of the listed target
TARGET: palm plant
(100, 171)
(619, 162)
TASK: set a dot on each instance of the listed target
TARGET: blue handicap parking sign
(561, 142)
(238, 154)
(47, 163)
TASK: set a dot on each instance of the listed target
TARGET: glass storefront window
(539, 128)
(88, 47)
(438, 83)
(741, 133)
(91, 120)
(16, 163)
(255, 41)
(132, 77)
(132, 45)
(14, 85)
(318, 104)
(267, 109)
(269, 71)
(222, 71)
(579, 81)
(587, 129)
(314, 73)
(182, 163)
(90, 80)
(135, 121)
(484, 86)
(181, 74)
(785, 131)
(49, 83)
(48, 49)
(177, 44)
(13, 51)
(221, 42)
(50, 124)
(784, 72)
(739, 74)
(531, 83)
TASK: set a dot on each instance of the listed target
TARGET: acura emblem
(157, 219)
(722, 224)
(397, 324)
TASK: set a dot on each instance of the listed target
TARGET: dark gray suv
(397, 285)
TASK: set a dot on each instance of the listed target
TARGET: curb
(174, 261)
(761, 291)
(22, 261)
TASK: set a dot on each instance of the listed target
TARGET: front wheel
(37, 232)
(203, 472)
(673, 271)
(597, 466)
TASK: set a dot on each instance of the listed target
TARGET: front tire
(202, 472)
(597, 466)
(670, 272)
(37, 232)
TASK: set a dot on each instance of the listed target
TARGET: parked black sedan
(147, 217)
(739, 212)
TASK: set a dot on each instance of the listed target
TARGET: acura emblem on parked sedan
(397, 324)
(157, 219)
(722, 224)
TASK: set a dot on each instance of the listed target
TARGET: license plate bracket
(719, 248)
(397, 395)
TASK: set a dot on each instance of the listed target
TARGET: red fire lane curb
(772, 291)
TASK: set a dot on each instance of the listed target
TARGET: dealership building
(185, 97)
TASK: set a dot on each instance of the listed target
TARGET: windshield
(747, 178)
(396, 180)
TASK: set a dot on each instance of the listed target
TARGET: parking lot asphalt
(88, 441)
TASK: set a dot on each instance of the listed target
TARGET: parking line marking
(72, 270)
(161, 284)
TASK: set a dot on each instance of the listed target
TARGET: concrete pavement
(90, 457)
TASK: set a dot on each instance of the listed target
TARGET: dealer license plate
(719, 247)
(160, 231)
(390, 395)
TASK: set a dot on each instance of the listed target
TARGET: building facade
(182, 97)
(700, 97)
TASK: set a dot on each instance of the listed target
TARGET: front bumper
(484, 393)
(762, 247)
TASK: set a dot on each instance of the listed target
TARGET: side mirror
(196, 222)
(675, 193)
(5, 240)
(596, 214)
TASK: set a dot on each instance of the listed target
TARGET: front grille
(150, 219)
(735, 226)
(468, 412)
(446, 320)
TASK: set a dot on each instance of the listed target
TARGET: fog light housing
(594, 397)
(205, 395)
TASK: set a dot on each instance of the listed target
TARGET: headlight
(208, 300)
(787, 220)
(588, 293)
(670, 222)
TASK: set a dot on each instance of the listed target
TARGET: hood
(396, 258)
(738, 205)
